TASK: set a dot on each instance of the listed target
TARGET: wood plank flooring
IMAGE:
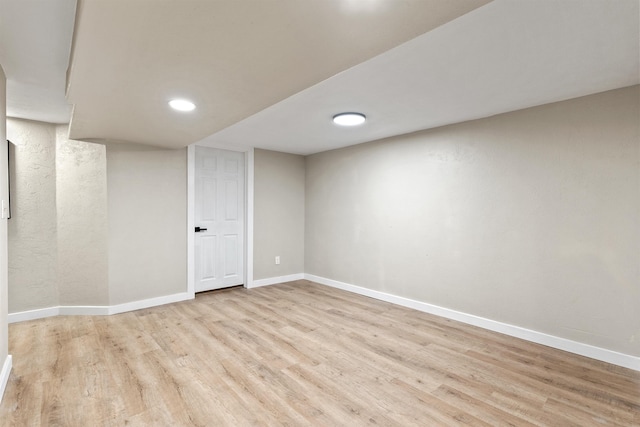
(300, 354)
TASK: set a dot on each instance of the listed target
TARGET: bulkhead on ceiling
(231, 58)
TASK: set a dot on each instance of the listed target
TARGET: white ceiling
(35, 43)
(505, 56)
(272, 74)
(232, 58)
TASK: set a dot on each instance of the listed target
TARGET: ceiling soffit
(232, 58)
(505, 56)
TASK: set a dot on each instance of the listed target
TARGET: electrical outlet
(278, 260)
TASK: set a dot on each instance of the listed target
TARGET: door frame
(191, 210)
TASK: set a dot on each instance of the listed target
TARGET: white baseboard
(4, 375)
(83, 310)
(23, 316)
(96, 310)
(609, 356)
(151, 302)
(275, 280)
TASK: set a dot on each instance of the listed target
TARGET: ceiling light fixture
(182, 105)
(349, 119)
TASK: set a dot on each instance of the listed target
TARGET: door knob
(198, 229)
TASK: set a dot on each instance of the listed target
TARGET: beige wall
(81, 185)
(33, 230)
(530, 218)
(57, 235)
(147, 202)
(4, 331)
(278, 214)
(80, 239)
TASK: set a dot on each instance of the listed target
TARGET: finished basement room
(320, 213)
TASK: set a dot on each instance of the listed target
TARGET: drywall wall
(147, 203)
(81, 205)
(531, 218)
(64, 248)
(58, 229)
(33, 247)
(4, 323)
(278, 214)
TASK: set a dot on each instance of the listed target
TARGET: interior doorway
(219, 218)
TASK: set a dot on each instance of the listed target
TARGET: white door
(219, 219)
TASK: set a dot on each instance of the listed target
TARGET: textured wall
(530, 218)
(81, 182)
(147, 200)
(33, 250)
(278, 214)
(78, 238)
(58, 232)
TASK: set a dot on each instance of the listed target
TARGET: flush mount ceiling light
(182, 105)
(349, 119)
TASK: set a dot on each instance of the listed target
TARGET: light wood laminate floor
(299, 354)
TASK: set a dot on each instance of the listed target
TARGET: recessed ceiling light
(182, 105)
(349, 119)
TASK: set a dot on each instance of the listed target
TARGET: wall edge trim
(83, 310)
(40, 313)
(275, 280)
(4, 374)
(150, 302)
(582, 349)
(97, 310)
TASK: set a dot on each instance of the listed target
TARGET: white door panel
(219, 200)
(230, 258)
(208, 257)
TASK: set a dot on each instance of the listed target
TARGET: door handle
(198, 229)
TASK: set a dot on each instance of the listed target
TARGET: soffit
(35, 42)
(505, 56)
(232, 58)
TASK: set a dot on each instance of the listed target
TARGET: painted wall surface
(531, 218)
(147, 203)
(81, 182)
(58, 229)
(64, 248)
(278, 214)
(33, 230)
(4, 324)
